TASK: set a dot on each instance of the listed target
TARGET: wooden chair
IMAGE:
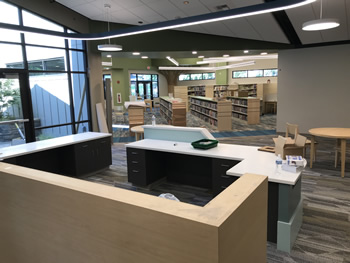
(337, 150)
(156, 103)
(298, 148)
(292, 130)
(118, 111)
(148, 103)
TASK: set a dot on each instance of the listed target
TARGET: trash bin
(169, 196)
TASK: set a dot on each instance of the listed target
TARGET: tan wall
(96, 84)
(51, 218)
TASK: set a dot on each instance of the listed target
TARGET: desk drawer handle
(134, 153)
(134, 161)
(86, 145)
(135, 171)
(225, 176)
(225, 165)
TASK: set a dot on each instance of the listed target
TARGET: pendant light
(109, 46)
(321, 24)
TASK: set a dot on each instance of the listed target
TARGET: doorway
(16, 125)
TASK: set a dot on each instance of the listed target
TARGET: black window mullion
(70, 88)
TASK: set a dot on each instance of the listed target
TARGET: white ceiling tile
(195, 7)
(242, 29)
(267, 28)
(70, 4)
(218, 28)
(167, 10)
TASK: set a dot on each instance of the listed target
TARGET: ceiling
(279, 27)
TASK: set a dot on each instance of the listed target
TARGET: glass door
(141, 90)
(12, 122)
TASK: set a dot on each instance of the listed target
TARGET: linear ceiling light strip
(263, 8)
(242, 64)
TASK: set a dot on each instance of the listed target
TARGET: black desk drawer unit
(136, 162)
(220, 181)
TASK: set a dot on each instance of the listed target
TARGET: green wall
(221, 75)
(120, 75)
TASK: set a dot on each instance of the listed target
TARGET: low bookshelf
(216, 112)
(173, 110)
(246, 108)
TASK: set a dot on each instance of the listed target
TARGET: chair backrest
(279, 145)
(132, 98)
(156, 101)
(300, 140)
(118, 108)
(292, 129)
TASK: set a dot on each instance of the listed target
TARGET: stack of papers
(293, 164)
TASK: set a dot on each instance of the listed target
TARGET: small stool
(138, 130)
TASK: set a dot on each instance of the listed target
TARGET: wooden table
(337, 133)
(138, 130)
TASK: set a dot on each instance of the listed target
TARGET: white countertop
(22, 149)
(252, 160)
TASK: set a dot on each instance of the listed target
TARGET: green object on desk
(204, 144)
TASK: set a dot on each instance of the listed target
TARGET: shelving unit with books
(247, 109)
(216, 112)
(173, 110)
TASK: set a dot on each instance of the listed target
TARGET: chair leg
(336, 158)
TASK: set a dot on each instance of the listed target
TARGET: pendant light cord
(321, 10)
(107, 6)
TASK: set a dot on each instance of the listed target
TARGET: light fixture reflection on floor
(321, 24)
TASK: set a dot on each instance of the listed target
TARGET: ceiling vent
(222, 7)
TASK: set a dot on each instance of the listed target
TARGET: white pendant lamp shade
(321, 24)
(109, 47)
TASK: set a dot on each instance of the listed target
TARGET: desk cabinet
(72, 160)
(87, 157)
(220, 180)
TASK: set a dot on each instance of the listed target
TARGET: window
(209, 75)
(255, 73)
(197, 76)
(240, 74)
(145, 86)
(270, 72)
(184, 77)
(56, 72)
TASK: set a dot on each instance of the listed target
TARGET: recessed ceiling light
(246, 51)
(136, 53)
(263, 53)
(107, 68)
(144, 57)
(194, 52)
(226, 55)
(186, 2)
(200, 56)
(140, 22)
(109, 56)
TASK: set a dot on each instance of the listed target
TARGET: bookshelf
(216, 112)
(173, 110)
(247, 109)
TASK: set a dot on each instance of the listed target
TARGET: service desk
(72, 155)
(149, 160)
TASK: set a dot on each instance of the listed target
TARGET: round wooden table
(337, 133)
(138, 130)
